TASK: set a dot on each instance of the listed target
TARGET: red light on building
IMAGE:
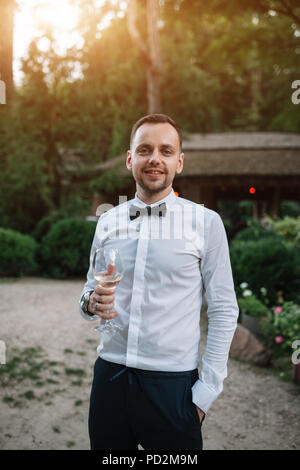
(252, 190)
(176, 193)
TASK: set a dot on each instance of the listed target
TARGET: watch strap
(85, 302)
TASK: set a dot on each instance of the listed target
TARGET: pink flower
(277, 310)
(278, 339)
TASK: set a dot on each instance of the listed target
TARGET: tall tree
(6, 46)
(150, 54)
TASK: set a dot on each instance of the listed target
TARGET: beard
(154, 188)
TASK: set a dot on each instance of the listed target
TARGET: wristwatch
(84, 302)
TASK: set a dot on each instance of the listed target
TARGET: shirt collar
(169, 200)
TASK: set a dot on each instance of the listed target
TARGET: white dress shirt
(168, 261)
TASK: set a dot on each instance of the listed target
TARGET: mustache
(154, 168)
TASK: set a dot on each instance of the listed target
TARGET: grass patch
(52, 381)
(78, 372)
(70, 444)
(78, 402)
(282, 367)
(18, 404)
(29, 395)
(7, 399)
(40, 383)
(28, 370)
(23, 365)
(68, 351)
(77, 382)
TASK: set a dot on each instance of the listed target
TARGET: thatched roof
(232, 153)
(242, 140)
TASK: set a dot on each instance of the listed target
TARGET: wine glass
(108, 272)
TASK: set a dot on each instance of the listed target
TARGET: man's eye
(167, 152)
(143, 151)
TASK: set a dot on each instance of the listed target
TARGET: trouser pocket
(190, 407)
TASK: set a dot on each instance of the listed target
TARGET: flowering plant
(282, 326)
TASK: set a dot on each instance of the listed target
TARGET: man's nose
(155, 156)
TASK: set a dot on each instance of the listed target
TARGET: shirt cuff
(203, 396)
(86, 316)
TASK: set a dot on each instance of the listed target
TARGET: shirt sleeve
(222, 313)
(91, 283)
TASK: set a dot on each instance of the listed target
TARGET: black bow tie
(136, 211)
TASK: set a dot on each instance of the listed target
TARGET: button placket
(137, 293)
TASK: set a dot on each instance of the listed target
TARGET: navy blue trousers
(131, 406)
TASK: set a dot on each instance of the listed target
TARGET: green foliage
(236, 214)
(64, 250)
(267, 262)
(254, 231)
(252, 306)
(281, 327)
(221, 70)
(44, 225)
(75, 204)
(24, 195)
(290, 208)
(109, 181)
(18, 253)
(288, 228)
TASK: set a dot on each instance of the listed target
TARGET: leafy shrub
(255, 232)
(64, 250)
(291, 208)
(252, 306)
(72, 205)
(268, 262)
(288, 228)
(281, 327)
(43, 226)
(24, 191)
(18, 253)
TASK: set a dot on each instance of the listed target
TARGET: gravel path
(49, 409)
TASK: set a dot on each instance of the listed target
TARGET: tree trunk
(6, 47)
(151, 54)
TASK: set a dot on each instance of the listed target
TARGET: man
(146, 388)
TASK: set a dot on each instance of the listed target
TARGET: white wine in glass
(108, 272)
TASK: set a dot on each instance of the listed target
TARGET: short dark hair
(156, 119)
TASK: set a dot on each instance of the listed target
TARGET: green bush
(18, 253)
(44, 225)
(64, 250)
(255, 232)
(288, 228)
(252, 306)
(290, 208)
(269, 263)
(281, 327)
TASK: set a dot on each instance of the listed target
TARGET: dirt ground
(44, 397)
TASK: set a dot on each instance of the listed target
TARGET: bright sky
(63, 16)
(60, 14)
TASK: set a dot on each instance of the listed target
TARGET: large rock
(246, 347)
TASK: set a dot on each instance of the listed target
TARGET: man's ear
(180, 163)
(128, 160)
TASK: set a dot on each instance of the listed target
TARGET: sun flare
(34, 16)
(60, 15)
